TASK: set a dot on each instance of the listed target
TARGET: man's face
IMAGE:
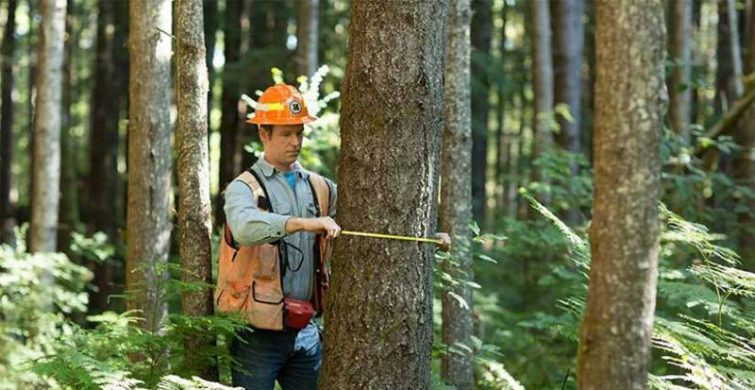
(282, 144)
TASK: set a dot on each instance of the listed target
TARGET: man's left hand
(445, 241)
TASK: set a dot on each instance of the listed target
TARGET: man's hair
(267, 128)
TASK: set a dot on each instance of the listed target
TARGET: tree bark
(680, 51)
(7, 79)
(615, 338)
(103, 171)
(47, 127)
(542, 84)
(306, 50)
(149, 159)
(456, 198)
(481, 33)
(379, 317)
(229, 167)
(194, 209)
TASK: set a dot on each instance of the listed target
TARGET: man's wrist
(294, 224)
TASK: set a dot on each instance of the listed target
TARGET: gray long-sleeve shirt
(252, 226)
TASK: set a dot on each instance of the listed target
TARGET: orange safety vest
(250, 281)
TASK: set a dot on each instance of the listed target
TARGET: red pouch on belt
(298, 313)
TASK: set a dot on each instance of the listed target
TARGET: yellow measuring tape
(391, 237)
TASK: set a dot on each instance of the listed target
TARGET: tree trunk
(456, 198)
(149, 159)
(588, 92)
(69, 200)
(379, 317)
(568, 44)
(743, 165)
(615, 338)
(47, 127)
(481, 32)
(729, 75)
(194, 209)
(306, 50)
(103, 171)
(210, 9)
(542, 84)
(680, 52)
(7, 50)
(229, 167)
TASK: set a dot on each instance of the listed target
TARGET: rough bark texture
(103, 151)
(542, 84)
(194, 207)
(614, 350)
(456, 197)
(149, 159)
(481, 32)
(306, 49)
(7, 50)
(680, 90)
(568, 43)
(47, 126)
(378, 331)
(229, 167)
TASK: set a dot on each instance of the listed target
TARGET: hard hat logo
(294, 106)
(271, 107)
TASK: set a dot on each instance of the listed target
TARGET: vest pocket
(267, 265)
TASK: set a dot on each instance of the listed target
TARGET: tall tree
(229, 166)
(69, 201)
(47, 127)
(729, 59)
(615, 337)
(456, 197)
(306, 49)
(481, 33)
(7, 51)
(194, 208)
(568, 44)
(542, 82)
(379, 314)
(744, 168)
(210, 9)
(680, 50)
(149, 158)
(103, 151)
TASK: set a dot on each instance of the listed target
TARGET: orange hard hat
(281, 104)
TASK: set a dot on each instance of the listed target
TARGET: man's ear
(264, 135)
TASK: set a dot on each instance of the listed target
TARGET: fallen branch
(730, 119)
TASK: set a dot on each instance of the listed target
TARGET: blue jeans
(291, 357)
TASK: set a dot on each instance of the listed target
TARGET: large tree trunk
(481, 33)
(194, 209)
(7, 54)
(615, 338)
(149, 159)
(379, 317)
(456, 198)
(306, 49)
(568, 44)
(542, 84)
(47, 125)
(680, 52)
(229, 166)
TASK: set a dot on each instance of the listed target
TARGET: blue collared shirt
(252, 226)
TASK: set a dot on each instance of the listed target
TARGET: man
(285, 222)
(274, 251)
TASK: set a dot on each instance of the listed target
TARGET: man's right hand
(322, 225)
